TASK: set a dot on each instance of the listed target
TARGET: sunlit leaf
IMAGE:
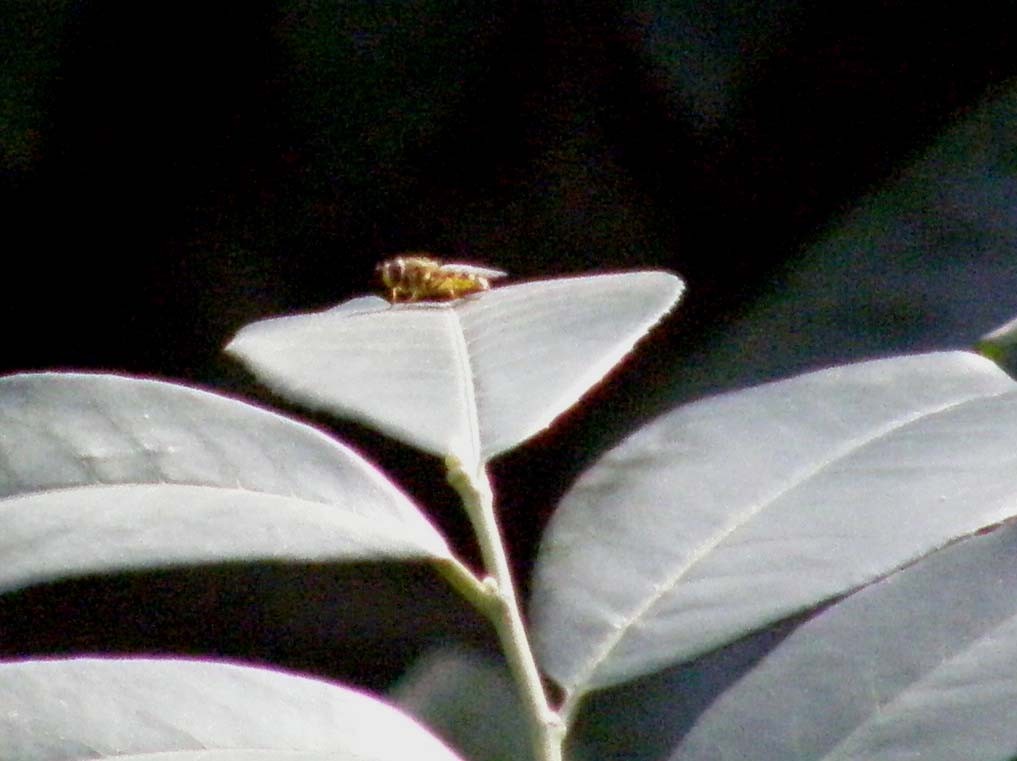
(239, 755)
(1000, 345)
(101, 472)
(110, 708)
(470, 378)
(736, 511)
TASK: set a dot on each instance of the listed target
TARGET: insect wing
(454, 269)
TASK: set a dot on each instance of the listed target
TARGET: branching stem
(505, 613)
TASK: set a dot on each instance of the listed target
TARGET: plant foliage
(817, 568)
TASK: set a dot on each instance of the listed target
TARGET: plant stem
(506, 614)
(481, 596)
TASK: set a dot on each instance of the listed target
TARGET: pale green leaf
(101, 472)
(470, 378)
(111, 708)
(1000, 345)
(736, 511)
(240, 755)
(920, 665)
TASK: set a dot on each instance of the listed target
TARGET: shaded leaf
(101, 472)
(739, 510)
(896, 670)
(470, 700)
(922, 664)
(924, 262)
(470, 378)
(106, 708)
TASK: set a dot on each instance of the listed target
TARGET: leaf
(916, 665)
(921, 664)
(739, 510)
(470, 700)
(1000, 345)
(106, 708)
(99, 472)
(238, 755)
(923, 262)
(470, 378)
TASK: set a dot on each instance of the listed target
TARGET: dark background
(173, 171)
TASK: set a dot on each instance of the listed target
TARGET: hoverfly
(422, 278)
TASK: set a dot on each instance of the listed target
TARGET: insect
(422, 278)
